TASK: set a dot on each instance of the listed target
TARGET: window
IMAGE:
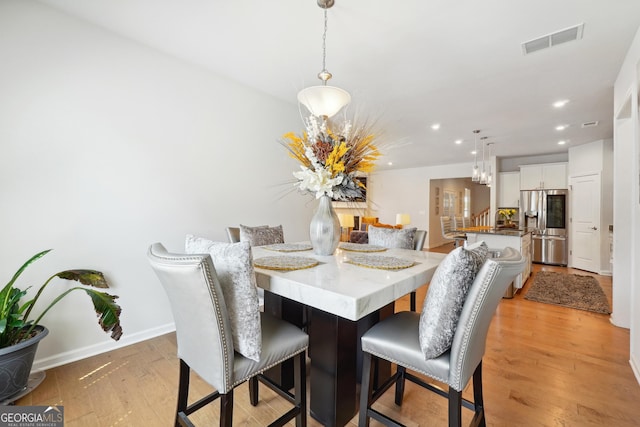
(449, 203)
(467, 203)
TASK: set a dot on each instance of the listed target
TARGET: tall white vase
(324, 230)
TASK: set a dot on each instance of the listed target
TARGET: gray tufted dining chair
(418, 244)
(404, 238)
(397, 339)
(233, 233)
(419, 240)
(205, 343)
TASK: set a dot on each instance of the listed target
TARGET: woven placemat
(360, 247)
(381, 262)
(289, 247)
(285, 263)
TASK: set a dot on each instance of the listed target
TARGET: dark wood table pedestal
(335, 354)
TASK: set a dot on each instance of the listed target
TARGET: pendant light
(324, 100)
(475, 176)
(489, 175)
(483, 173)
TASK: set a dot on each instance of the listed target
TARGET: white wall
(407, 191)
(109, 146)
(606, 220)
(597, 157)
(626, 205)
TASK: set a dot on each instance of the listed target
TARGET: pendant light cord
(475, 148)
(475, 177)
(324, 75)
(324, 43)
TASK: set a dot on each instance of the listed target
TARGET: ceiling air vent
(553, 39)
(590, 124)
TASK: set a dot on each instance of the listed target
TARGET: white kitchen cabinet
(544, 176)
(508, 189)
(497, 240)
(525, 250)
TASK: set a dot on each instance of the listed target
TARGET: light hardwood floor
(543, 366)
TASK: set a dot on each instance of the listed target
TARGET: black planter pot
(16, 362)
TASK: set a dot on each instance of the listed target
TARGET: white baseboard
(635, 367)
(613, 319)
(606, 273)
(92, 350)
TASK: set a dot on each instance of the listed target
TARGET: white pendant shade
(324, 100)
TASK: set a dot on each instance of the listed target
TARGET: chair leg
(300, 388)
(400, 385)
(455, 408)
(413, 301)
(366, 390)
(226, 409)
(253, 390)
(478, 399)
(183, 390)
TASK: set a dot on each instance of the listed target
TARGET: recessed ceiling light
(561, 127)
(458, 141)
(561, 103)
(474, 152)
(562, 142)
(435, 126)
(390, 164)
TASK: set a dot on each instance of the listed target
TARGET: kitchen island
(500, 238)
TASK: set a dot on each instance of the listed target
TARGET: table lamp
(346, 222)
(403, 219)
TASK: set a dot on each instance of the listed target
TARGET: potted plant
(19, 335)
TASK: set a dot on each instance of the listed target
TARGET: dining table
(336, 299)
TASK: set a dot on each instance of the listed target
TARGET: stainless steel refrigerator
(544, 213)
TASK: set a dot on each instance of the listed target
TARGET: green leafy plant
(15, 325)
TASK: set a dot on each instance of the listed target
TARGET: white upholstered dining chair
(448, 227)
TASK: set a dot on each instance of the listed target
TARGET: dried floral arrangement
(332, 156)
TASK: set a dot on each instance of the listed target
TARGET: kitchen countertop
(516, 232)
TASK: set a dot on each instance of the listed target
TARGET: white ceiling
(408, 63)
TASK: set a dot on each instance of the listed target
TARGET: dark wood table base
(336, 357)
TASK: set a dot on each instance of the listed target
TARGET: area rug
(568, 290)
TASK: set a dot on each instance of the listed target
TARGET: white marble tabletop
(344, 289)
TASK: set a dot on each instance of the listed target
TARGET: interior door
(585, 222)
